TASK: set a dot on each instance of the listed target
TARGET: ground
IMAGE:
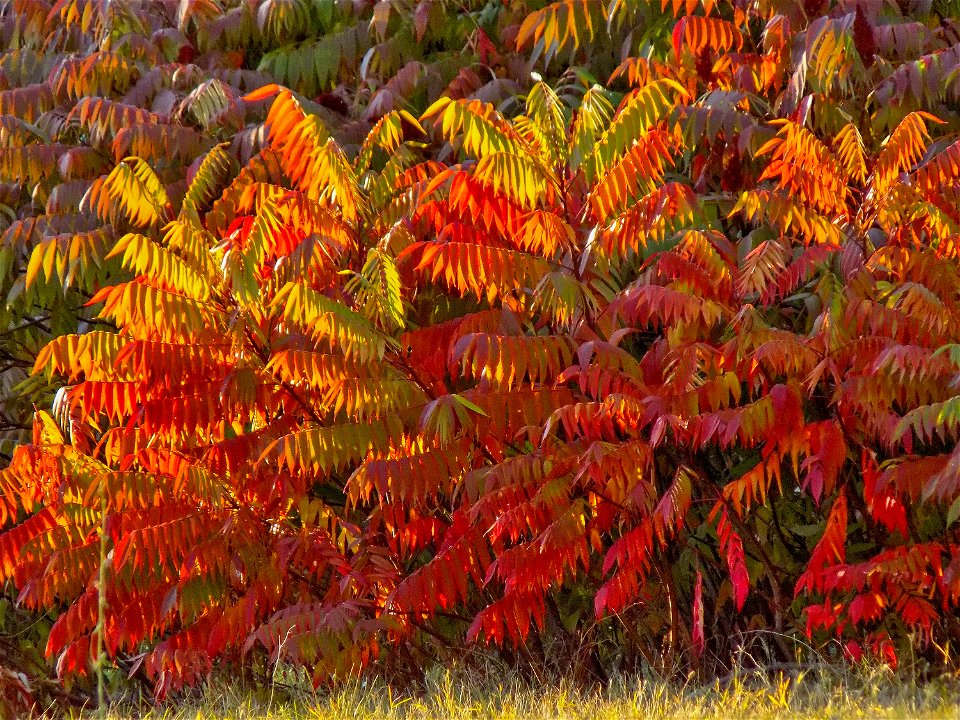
(818, 692)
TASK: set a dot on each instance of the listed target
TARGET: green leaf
(954, 512)
(469, 405)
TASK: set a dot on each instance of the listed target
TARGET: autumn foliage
(631, 368)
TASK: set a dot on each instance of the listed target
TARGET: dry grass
(820, 693)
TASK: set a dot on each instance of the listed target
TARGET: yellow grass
(820, 693)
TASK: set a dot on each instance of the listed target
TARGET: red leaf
(882, 503)
(738, 570)
(732, 546)
(828, 453)
(853, 651)
(863, 37)
(885, 650)
(698, 639)
(831, 550)
(421, 17)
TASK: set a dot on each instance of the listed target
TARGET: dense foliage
(618, 371)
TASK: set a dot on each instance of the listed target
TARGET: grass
(819, 693)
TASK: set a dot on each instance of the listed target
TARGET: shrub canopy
(362, 331)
